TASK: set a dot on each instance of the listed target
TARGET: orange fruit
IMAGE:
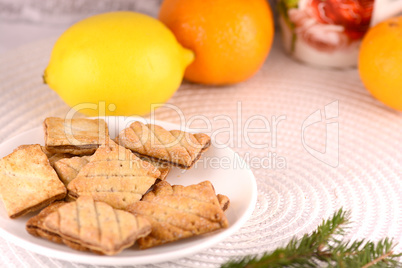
(230, 38)
(380, 62)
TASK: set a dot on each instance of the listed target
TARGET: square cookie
(27, 181)
(74, 136)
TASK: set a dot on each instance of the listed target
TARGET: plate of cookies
(120, 191)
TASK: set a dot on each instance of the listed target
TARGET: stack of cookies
(103, 195)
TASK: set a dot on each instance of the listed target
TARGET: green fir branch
(325, 247)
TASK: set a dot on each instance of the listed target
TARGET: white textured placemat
(328, 144)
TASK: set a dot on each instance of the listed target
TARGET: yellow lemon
(117, 63)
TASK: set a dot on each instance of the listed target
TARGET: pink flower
(332, 24)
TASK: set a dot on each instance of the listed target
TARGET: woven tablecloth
(326, 144)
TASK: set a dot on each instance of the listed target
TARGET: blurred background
(25, 21)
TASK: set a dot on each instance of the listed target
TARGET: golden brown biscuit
(224, 201)
(27, 181)
(74, 136)
(56, 157)
(176, 147)
(177, 212)
(35, 226)
(96, 226)
(47, 153)
(163, 167)
(114, 175)
(68, 168)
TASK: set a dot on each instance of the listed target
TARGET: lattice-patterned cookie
(89, 225)
(35, 225)
(114, 175)
(74, 136)
(176, 147)
(177, 212)
(27, 181)
(68, 167)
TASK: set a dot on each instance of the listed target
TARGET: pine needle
(325, 247)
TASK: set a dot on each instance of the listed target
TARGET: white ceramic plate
(228, 173)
